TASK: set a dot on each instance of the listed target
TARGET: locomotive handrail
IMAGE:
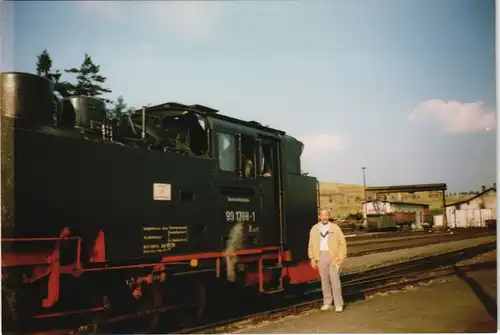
(49, 260)
(39, 239)
(188, 257)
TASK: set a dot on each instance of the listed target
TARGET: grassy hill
(343, 199)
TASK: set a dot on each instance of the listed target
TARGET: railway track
(356, 287)
(360, 236)
(276, 314)
(356, 249)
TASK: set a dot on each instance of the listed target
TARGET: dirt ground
(451, 305)
(361, 263)
(486, 257)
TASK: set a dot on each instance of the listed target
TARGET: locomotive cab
(171, 127)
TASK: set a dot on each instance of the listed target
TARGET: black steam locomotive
(99, 214)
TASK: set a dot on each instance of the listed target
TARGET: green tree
(436, 211)
(44, 67)
(119, 107)
(89, 81)
(354, 216)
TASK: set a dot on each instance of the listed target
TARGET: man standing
(328, 251)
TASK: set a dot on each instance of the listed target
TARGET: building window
(227, 152)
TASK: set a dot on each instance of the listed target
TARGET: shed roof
(472, 198)
(407, 188)
(415, 204)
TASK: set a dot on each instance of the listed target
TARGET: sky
(405, 88)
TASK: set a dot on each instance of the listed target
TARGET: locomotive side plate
(162, 192)
(164, 238)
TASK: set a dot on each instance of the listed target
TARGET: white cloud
(320, 149)
(455, 116)
(194, 20)
(105, 9)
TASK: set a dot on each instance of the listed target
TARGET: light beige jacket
(336, 243)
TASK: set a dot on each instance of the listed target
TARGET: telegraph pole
(364, 189)
(364, 180)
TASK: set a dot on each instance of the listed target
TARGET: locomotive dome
(27, 97)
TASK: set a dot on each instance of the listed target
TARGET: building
(381, 207)
(473, 212)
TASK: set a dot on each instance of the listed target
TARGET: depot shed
(474, 211)
(378, 207)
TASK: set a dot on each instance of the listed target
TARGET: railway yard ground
(392, 282)
(377, 259)
(450, 304)
(401, 292)
(360, 245)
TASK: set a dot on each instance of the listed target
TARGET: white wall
(376, 207)
(469, 218)
(488, 200)
(438, 220)
(470, 214)
(382, 207)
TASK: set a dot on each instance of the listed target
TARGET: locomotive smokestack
(234, 243)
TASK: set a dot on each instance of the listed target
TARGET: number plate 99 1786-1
(240, 216)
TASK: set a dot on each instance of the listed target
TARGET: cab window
(227, 152)
(248, 156)
(266, 160)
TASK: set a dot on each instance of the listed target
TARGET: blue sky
(403, 87)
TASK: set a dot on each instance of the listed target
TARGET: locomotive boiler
(101, 216)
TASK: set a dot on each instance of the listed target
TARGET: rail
(365, 280)
(356, 286)
(236, 324)
(360, 287)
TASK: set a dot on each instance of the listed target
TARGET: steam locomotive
(103, 215)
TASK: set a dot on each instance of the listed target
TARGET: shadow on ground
(488, 302)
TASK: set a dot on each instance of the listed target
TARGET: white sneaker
(339, 309)
(325, 307)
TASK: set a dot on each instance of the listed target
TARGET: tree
(354, 216)
(44, 67)
(119, 108)
(89, 80)
(44, 63)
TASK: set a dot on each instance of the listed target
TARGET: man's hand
(313, 264)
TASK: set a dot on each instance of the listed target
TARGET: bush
(436, 211)
(354, 216)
